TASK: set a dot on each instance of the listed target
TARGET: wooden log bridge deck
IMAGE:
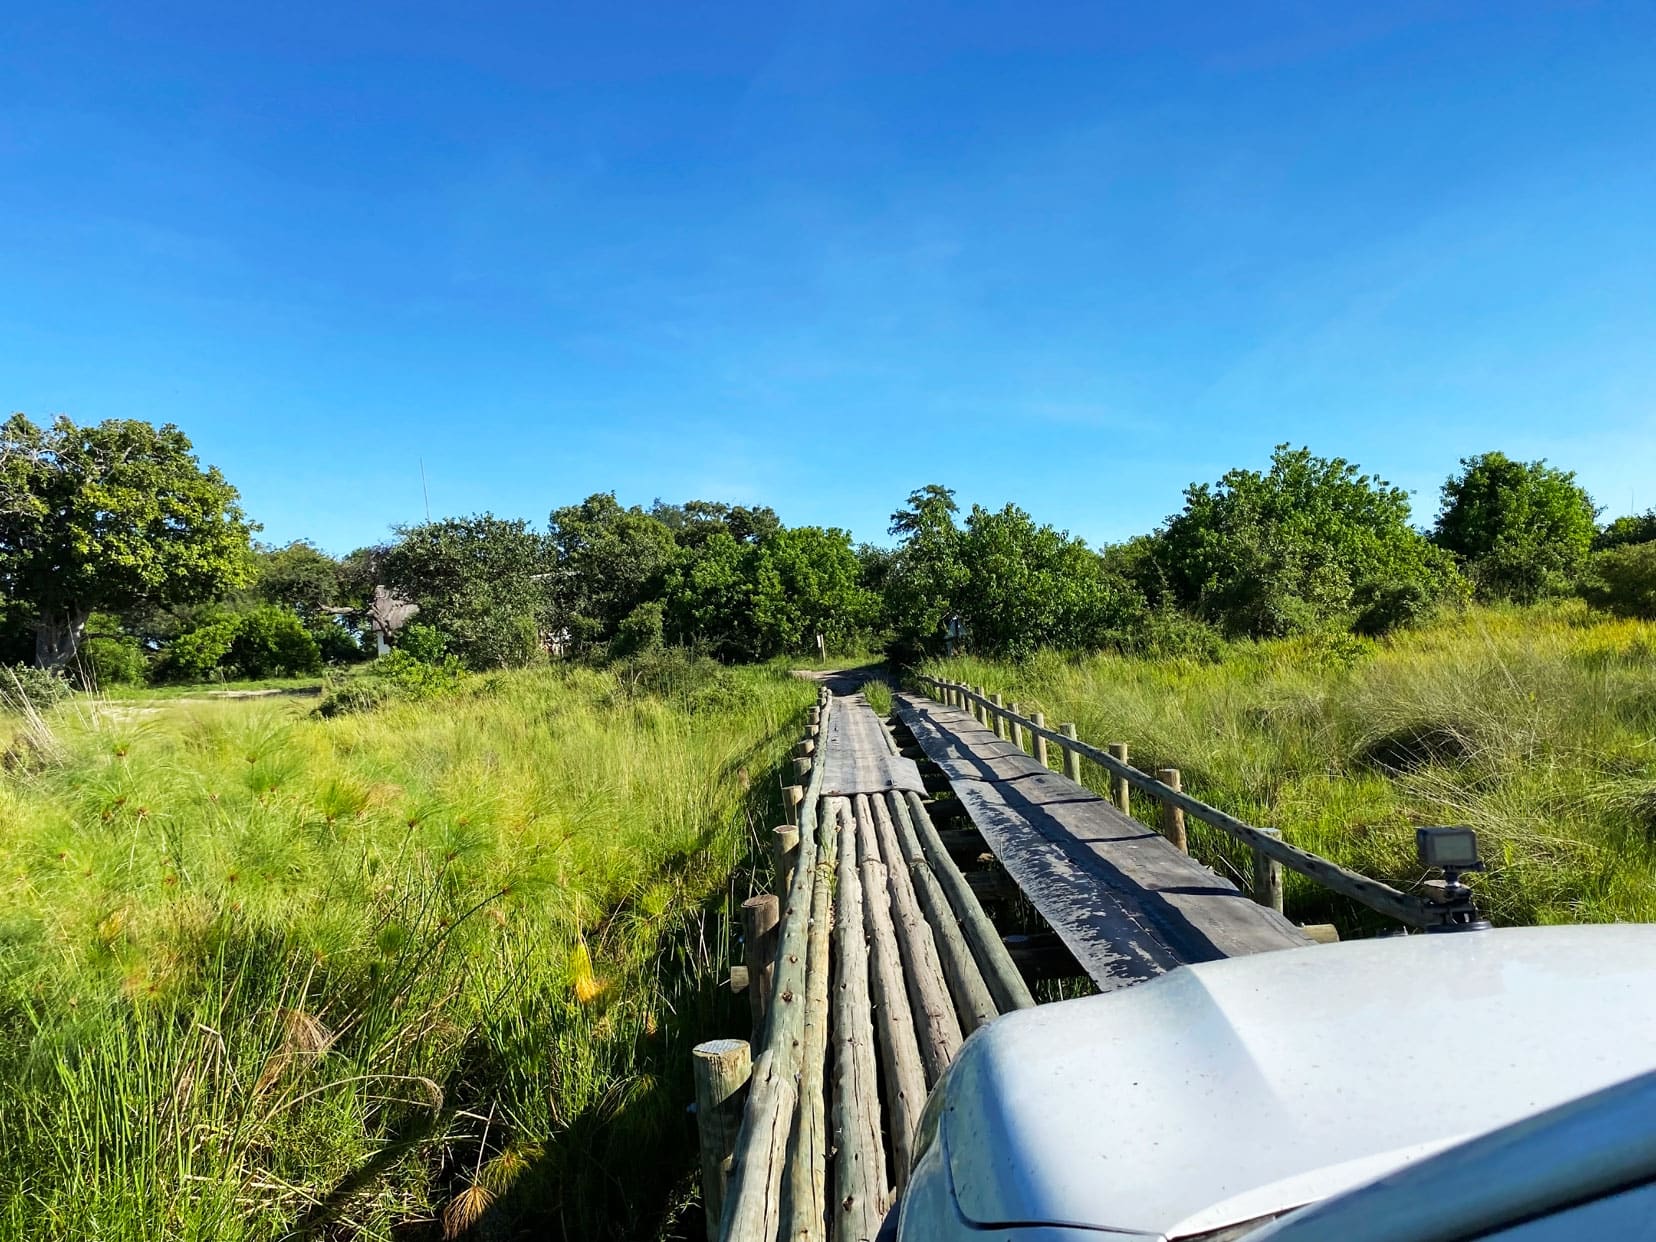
(876, 958)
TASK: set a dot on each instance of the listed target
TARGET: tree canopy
(109, 517)
(1523, 529)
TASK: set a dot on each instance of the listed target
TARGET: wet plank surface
(1126, 903)
(857, 758)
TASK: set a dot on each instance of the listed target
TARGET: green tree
(1292, 549)
(606, 560)
(1030, 586)
(1629, 528)
(271, 641)
(109, 518)
(805, 583)
(300, 577)
(925, 572)
(1523, 529)
(480, 580)
(709, 599)
(1623, 580)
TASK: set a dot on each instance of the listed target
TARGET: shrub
(199, 654)
(640, 630)
(25, 686)
(348, 698)
(1386, 606)
(424, 643)
(111, 660)
(336, 643)
(273, 642)
(416, 679)
(1623, 580)
(1523, 528)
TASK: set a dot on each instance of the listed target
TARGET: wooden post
(1120, 790)
(784, 850)
(1017, 729)
(813, 715)
(1267, 877)
(980, 710)
(792, 796)
(1172, 816)
(1040, 742)
(1072, 761)
(802, 769)
(997, 721)
(722, 1070)
(759, 918)
(804, 749)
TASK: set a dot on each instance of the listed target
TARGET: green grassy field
(1536, 727)
(264, 975)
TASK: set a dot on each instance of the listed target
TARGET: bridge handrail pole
(1374, 894)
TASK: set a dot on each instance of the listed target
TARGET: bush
(348, 698)
(1386, 606)
(272, 642)
(416, 679)
(424, 643)
(1623, 580)
(25, 686)
(337, 644)
(111, 660)
(640, 630)
(200, 654)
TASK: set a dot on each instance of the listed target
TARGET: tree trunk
(58, 637)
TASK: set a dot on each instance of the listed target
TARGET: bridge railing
(1270, 850)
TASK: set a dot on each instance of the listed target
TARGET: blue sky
(1075, 255)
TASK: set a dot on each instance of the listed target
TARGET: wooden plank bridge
(877, 956)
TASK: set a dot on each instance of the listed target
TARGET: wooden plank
(856, 755)
(860, 1192)
(1125, 902)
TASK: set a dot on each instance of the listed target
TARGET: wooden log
(805, 1207)
(738, 979)
(1017, 730)
(753, 1192)
(859, 1154)
(802, 769)
(997, 722)
(972, 998)
(936, 1027)
(721, 1069)
(784, 852)
(1119, 789)
(1072, 760)
(1040, 742)
(760, 916)
(1172, 814)
(813, 715)
(905, 1074)
(804, 749)
(1267, 877)
(1005, 983)
(1322, 933)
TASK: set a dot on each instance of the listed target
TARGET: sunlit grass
(1536, 727)
(262, 973)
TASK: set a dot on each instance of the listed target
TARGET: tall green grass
(1536, 727)
(264, 975)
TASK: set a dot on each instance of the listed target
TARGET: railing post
(1267, 877)
(1172, 815)
(722, 1069)
(760, 915)
(1040, 742)
(802, 769)
(997, 722)
(1017, 729)
(1120, 791)
(1072, 761)
(978, 709)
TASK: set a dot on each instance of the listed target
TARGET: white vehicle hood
(1226, 1091)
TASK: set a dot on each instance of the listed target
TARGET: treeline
(121, 557)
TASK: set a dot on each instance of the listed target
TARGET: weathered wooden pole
(760, 916)
(859, 1154)
(1014, 709)
(722, 1069)
(1005, 983)
(753, 1194)
(804, 749)
(802, 769)
(981, 710)
(905, 1076)
(805, 1208)
(1172, 814)
(784, 851)
(1040, 742)
(998, 721)
(1267, 877)
(813, 715)
(1072, 761)
(1120, 790)
(935, 1024)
